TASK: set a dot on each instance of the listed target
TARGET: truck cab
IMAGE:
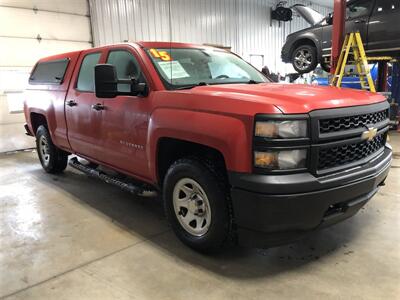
(235, 157)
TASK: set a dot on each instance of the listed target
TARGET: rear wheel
(304, 59)
(197, 204)
(53, 160)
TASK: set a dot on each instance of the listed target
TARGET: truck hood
(311, 16)
(289, 98)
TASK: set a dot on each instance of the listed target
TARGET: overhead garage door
(30, 29)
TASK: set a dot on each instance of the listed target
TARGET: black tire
(304, 59)
(53, 160)
(214, 184)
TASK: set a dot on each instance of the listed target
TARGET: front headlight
(281, 129)
(281, 160)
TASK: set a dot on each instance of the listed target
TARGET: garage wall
(245, 25)
(29, 30)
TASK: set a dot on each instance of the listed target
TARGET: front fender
(230, 135)
(314, 35)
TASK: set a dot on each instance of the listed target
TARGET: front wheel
(304, 59)
(197, 204)
(53, 160)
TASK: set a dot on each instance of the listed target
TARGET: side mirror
(105, 81)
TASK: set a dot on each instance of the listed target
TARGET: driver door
(125, 118)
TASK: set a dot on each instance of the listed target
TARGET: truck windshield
(182, 68)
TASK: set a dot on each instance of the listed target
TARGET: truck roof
(170, 45)
(143, 44)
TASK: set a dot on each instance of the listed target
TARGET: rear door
(384, 27)
(125, 118)
(83, 121)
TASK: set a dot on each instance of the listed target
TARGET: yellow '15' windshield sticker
(163, 55)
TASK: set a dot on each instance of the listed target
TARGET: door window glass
(126, 67)
(358, 9)
(86, 73)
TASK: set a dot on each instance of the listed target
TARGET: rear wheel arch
(37, 120)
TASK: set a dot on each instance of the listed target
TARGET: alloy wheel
(303, 59)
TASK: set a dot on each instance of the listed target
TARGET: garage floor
(72, 237)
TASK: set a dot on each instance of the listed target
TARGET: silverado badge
(369, 134)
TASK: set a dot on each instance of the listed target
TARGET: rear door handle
(98, 106)
(71, 103)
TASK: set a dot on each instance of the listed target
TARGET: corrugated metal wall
(244, 25)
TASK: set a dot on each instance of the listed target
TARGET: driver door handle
(98, 106)
(71, 103)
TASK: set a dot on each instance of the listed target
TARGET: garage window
(49, 72)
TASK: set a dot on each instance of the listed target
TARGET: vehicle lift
(341, 47)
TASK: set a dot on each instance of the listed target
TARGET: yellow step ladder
(353, 45)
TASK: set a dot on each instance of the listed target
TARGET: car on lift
(375, 20)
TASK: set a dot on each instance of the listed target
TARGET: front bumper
(274, 209)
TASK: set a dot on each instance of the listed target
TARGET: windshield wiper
(202, 83)
(188, 87)
(251, 81)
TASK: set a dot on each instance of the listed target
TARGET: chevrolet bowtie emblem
(369, 134)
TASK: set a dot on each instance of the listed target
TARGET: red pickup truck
(236, 158)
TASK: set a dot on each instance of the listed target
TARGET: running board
(136, 189)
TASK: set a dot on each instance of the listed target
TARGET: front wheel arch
(305, 41)
(170, 150)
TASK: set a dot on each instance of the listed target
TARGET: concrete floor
(72, 237)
